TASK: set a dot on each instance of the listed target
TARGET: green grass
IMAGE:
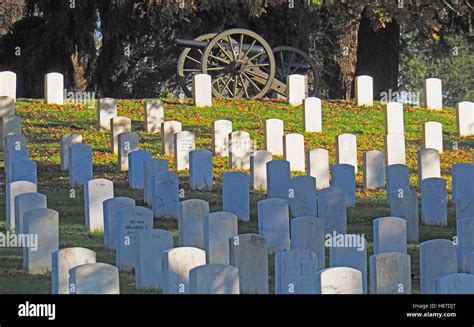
(43, 125)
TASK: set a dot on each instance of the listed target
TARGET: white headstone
(433, 136)
(54, 88)
(312, 116)
(106, 110)
(96, 191)
(202, 90)
(433, 94)
(273, 134)
(154, 116)
(118, 125)
(465, 118)
(220, 137)
(394, 118)
(258, 169)
(294, 151)
(8, 84)
(395, 149)
(364, 90)
(346, 150)
(168, 129)
(239, 150)
(317, 166)
(296, 89)
(184, 142)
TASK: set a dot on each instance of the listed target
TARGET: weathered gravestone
(395, 152)
(24, 170)
(136, 169)
(191, 222)
(454, 284)
(154, 116)
(54, 88)
(434, 206)
(94, 278)
(278, 179)
(177, 263)
(295, 272)
(111, 209)
(12, 190)
(131, 221)
(218, 228)
(332, 208)
(239, 150)
(168, 129)
(312, 117)
(293, 145)
(220, 137)
(307, 233)
(273, 135)
(346, 150)
(127, 143)
(44, 223)
(184, 142)
(374, 169)
(465, 242)
(433, 94)
(317, 166)
(274, 223)
(296, 89)
(62, 261)
(433, 136)
(390, 273)
(390, 235)
(249, 253)
(352, 254)
(405, 205)
(258, 169)
(302, 196)
(13, 156)
(15, 142)
(25, 202)
(235, 193)
(214, 279)
(150, 168)
(80, 164)
(428, 164)
(165, 193)
(96, 191)
(66, 142)
(7, 112)
(339, 280)
(463, 179)
(364, 90)
(394, 118)
(10, 125)
(398, 179)
(202, 90)
(150, 247)
(106, 110)
(437, 258)
(343, 177)
(118, 125)
(8, 84)
(465, 118)
(200, 170)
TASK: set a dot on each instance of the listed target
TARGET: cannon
(242, 64)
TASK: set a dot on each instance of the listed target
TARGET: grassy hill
(43, 125)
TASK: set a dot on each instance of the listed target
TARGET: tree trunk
(378, 56)
(340, 68)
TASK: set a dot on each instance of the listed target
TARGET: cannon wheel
(290, 61)
(237, 72)
(189, 64)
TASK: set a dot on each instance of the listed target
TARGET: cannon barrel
(203, 44)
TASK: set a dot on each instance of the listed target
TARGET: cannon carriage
(242, 64)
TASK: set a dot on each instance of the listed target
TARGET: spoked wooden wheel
(189, 64)
(233, 58)
(290, 61)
